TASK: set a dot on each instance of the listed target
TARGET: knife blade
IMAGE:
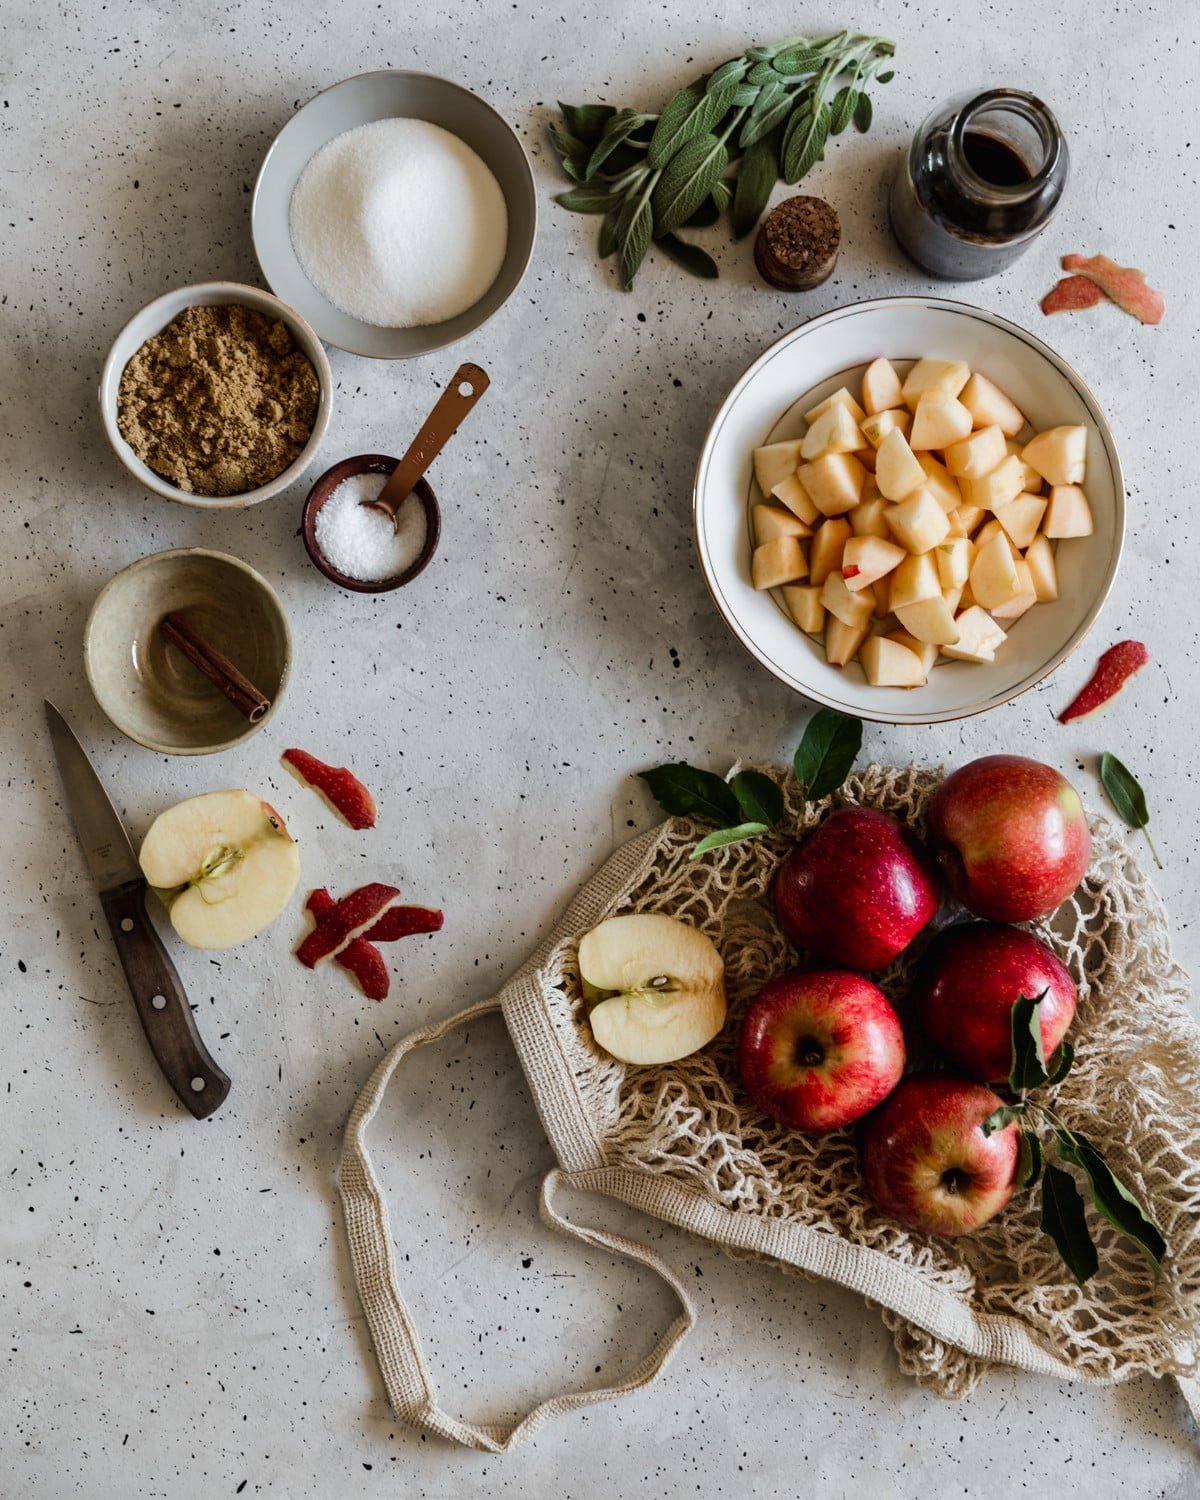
(162, 1005)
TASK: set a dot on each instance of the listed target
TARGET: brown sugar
(219, 402)
(797, 246)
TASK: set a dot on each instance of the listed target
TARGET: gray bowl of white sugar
(396, 212)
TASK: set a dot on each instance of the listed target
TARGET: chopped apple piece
(990, 407)
(803, 602)
(882, 590)
(1069, 513)
(1024, 599)
(976, 455)
(825, 551)
(897, 472)
(953, 562)
(780, 561)
(771, 521)
(994, 578)
(1042, 569)
(985, 534)
(925, 651)
(938, 422)
(866, 457)
(840, 397)
(791, 492)
(945, 489)
(774, 462)
(997, 488)
(834, 431)
(850, 609)
(930, 620)
(834, 483)
(978, 637)
(941, 377)
(881, 389)
(1021, 518)
(915, 579)
(1032, 482)
(866, 558)
(870, 489)
(867, 518)
(842, 641)
(971, 516)
(953, 598)
(919, 522)
(966, 599)
(889, 664)
(1059, 454)
(876, 428)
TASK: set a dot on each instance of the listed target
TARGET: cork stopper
(797, 246)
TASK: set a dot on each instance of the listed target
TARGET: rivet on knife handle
(162, 1005)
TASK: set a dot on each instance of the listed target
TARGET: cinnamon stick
(215, 665)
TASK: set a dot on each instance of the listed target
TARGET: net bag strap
(406, 1376)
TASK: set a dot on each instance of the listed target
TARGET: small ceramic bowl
(152, 319)
(367, 463)
(362, 100)
(149, 690)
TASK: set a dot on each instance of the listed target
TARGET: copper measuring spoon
(469, 383)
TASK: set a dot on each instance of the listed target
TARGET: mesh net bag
(683, 1143)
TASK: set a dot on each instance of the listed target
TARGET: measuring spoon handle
(469, 383)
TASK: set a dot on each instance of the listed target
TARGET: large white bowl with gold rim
(766, 406)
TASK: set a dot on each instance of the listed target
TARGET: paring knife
(162, 1006)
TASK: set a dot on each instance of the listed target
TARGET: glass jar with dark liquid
(980, 181)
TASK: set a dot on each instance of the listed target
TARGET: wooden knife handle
(162, 1005)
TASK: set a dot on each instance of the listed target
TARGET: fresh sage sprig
(770, 112)
(751, 804)
(1064, 1216)
(1126, 795)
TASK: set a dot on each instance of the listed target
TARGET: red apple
(1010, 836)
(971, 977)
(819, 1048)
(927, 1162)
(857, 890)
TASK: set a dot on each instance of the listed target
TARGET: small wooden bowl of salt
(372, 523)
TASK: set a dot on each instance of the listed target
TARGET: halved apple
(656, 987)
(223, 864)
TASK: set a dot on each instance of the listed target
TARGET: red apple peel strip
(350, 918)
(405, 921)
(1113, 671)
(1127, 286)
(360, 957)
(338, 785)
(1072, 294)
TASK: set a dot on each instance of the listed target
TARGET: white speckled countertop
(175, 1299)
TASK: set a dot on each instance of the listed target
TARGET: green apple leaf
(685, 791)
(1061, 1063)
(827, 752)
(1028, 1059)
(1111, 1197)
(1126, 795)
(1001, 1117)
(759, 798)
(1029, 1163)
(733, 835)
(1064, 1220)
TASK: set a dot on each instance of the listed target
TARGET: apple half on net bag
(655, 987)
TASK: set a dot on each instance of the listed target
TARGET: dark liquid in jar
(994, 160)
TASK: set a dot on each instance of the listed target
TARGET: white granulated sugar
(399, 223)
(363, 543)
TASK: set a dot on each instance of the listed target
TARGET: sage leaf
(1001, 1117)
(686, 791)
(1029, 1161)
(721, 195)
(1028, 1069)
(607, 242)
(761, 72)
(1064, 1220)
(675, 130)
(841, 111)
(634, 232)
(568, 147)
(1111, 1197)
(687, 180)
(619, 128)
(764, 123)
(1060, 1064)
(706, 215)
(794, 61)
(586, 121)
(752, 188)
(886, 77)
(1126, 795)
(588, 200)
(690, 257)
(864, 112)
(760, 798)
(724, 836)
(827, 752)
(804, 141)
(731, 72)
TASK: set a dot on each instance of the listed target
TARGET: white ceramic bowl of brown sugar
(152, 319)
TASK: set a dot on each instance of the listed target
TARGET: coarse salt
(399, 223)
(363, 543)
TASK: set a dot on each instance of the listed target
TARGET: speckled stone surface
(175, 1300)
